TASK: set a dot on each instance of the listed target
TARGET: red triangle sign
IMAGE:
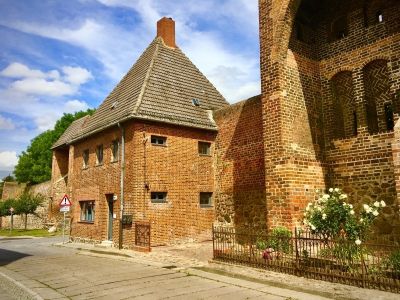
(65, 201)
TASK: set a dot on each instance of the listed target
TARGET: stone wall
(40, 220)
(239, 163)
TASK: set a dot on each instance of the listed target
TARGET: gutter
(121, 196)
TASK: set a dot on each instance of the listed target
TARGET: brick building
(145, 153)
(327, 116)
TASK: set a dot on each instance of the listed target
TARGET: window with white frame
(99, 155)
(158, 197)
(158, 140)
(85, 158)
(114, 151)
(87, 211)
(204, 148)
(205, 199)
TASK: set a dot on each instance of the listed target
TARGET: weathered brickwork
(239, 162)
(176, 168)
(330, 81)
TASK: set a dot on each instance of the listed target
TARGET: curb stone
(20, 291)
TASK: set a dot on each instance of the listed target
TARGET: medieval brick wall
(176, 168)
(316, 82)
(239, 163)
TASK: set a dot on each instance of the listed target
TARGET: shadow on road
(7, 256)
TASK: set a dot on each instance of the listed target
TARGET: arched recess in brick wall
(378, 102)
(344, 121)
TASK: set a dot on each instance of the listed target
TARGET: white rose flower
(323, 216)
(383, 204)
(352, 212)
(307, 208)
(312, 227)
(351, 206)
(336, 190)
(344, 204)
(330, 190)
(358, 242)
(319, 208)
(361, 220)
(366, 207)
(376, 204)
(375, 213)
(305, 222)
(325, 196)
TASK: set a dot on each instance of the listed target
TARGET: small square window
(99, 155)
(114, 151)
(87, 211)
(158, 140)
(85, 157)
(205, 199)
(204, 148)
(158, 197)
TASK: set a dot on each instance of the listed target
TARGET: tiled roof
(70, 132)
(160, 87)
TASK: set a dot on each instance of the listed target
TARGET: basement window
(85, 158)
(205, 199)
(158, 140)
(204, 148)
(87, 211)
(99, 155)
(158, 197)
(114, 151)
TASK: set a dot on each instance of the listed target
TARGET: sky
(64, 56)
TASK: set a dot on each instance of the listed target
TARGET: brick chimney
(166, 30)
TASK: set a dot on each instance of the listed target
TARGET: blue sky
(64, 56)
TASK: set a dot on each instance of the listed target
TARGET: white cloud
(39, 86)
(18, 70)
(6, 123)
(75, 105)
(76, 75)
(8, 159)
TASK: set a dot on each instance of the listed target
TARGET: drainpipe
(121, 198)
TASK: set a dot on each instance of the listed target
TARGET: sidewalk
(196, 259)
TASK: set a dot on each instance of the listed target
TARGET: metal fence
(374, 264)
(142, 236)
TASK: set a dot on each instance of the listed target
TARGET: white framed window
(204, 148)
(158, 140)
(85, 158)
(99, 155)
(87, 211)
(158, 197)
(114, 151)
(205, 199)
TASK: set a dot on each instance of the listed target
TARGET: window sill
(98, 165)
(206, 155)
(86, 222)
(158, 145)
(206, 206)
(114, 161)
(85, 168)
(165, 202)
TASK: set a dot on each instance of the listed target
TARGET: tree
(27, 203)
(5, 207)
(34, 164)
(7, 178)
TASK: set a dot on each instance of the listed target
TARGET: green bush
(393, 261)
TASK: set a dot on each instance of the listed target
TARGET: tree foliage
(7, 178)
(34, 164)
(5, 207)
(27, 203)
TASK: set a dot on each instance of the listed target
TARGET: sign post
(65, 205)
(12, 218)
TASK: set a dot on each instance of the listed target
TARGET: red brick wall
(239, 161)
(176, 168)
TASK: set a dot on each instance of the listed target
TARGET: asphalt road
(65, 273)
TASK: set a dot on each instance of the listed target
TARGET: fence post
(297, 251)
(213, 239)
(362, 269)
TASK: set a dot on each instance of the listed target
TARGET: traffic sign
(65, 201)
(65, 208)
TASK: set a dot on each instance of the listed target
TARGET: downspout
(121, 198)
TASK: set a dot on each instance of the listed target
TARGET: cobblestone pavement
(71, 273)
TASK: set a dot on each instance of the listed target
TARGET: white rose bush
(332, 217)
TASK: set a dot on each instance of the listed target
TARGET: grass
(29, 232)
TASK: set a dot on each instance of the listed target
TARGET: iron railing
(374, 264)
(142, 236)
